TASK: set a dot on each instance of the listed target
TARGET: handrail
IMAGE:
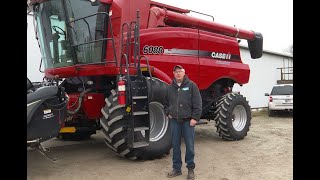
(93, 41)
(283, 73)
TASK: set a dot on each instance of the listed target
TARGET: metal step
(140, 144)
(141, 128)
(140, 113)
(139, 97)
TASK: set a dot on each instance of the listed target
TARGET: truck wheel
(232, 116)
(113, 125)
(270, 113)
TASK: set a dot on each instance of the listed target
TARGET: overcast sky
(272, 18)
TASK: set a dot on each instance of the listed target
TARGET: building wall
(264, 73)
(33, 54)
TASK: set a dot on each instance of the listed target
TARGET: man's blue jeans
(186, 131)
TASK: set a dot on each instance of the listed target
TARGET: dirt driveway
(265, 154)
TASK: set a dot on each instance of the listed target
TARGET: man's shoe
(173, 173)
(190, 174)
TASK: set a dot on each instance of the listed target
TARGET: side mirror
(266, 94)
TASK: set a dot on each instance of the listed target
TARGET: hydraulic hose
(80, 99)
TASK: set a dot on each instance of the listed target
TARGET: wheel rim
(158, 121)
(239, 118)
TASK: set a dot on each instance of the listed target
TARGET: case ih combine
(114, 60)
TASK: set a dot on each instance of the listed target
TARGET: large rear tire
(113, 124)
(232, 116)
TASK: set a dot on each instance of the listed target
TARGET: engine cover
(91, 104)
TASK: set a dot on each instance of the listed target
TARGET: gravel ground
(265, 154)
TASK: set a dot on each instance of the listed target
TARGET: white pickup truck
(280, 98)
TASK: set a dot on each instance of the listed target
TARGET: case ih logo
(217, 55)
(153, 49)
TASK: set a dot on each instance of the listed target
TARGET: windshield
(282, 90)
(68, 34)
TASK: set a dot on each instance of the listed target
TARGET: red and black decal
(149, 49)
(203, 54)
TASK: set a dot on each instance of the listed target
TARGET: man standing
(183, 107)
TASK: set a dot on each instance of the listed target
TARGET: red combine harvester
(114, 60)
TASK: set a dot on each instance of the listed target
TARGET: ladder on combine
(137, 102)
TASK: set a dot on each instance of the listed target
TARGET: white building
(264, 73)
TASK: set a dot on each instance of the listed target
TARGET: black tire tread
(112, 141)
(223, 112)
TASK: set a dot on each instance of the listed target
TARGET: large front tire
(232, 116)
(114, 124)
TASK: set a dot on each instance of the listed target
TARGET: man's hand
(169, 116)
(193, 122)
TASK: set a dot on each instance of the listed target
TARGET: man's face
(179, 74)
